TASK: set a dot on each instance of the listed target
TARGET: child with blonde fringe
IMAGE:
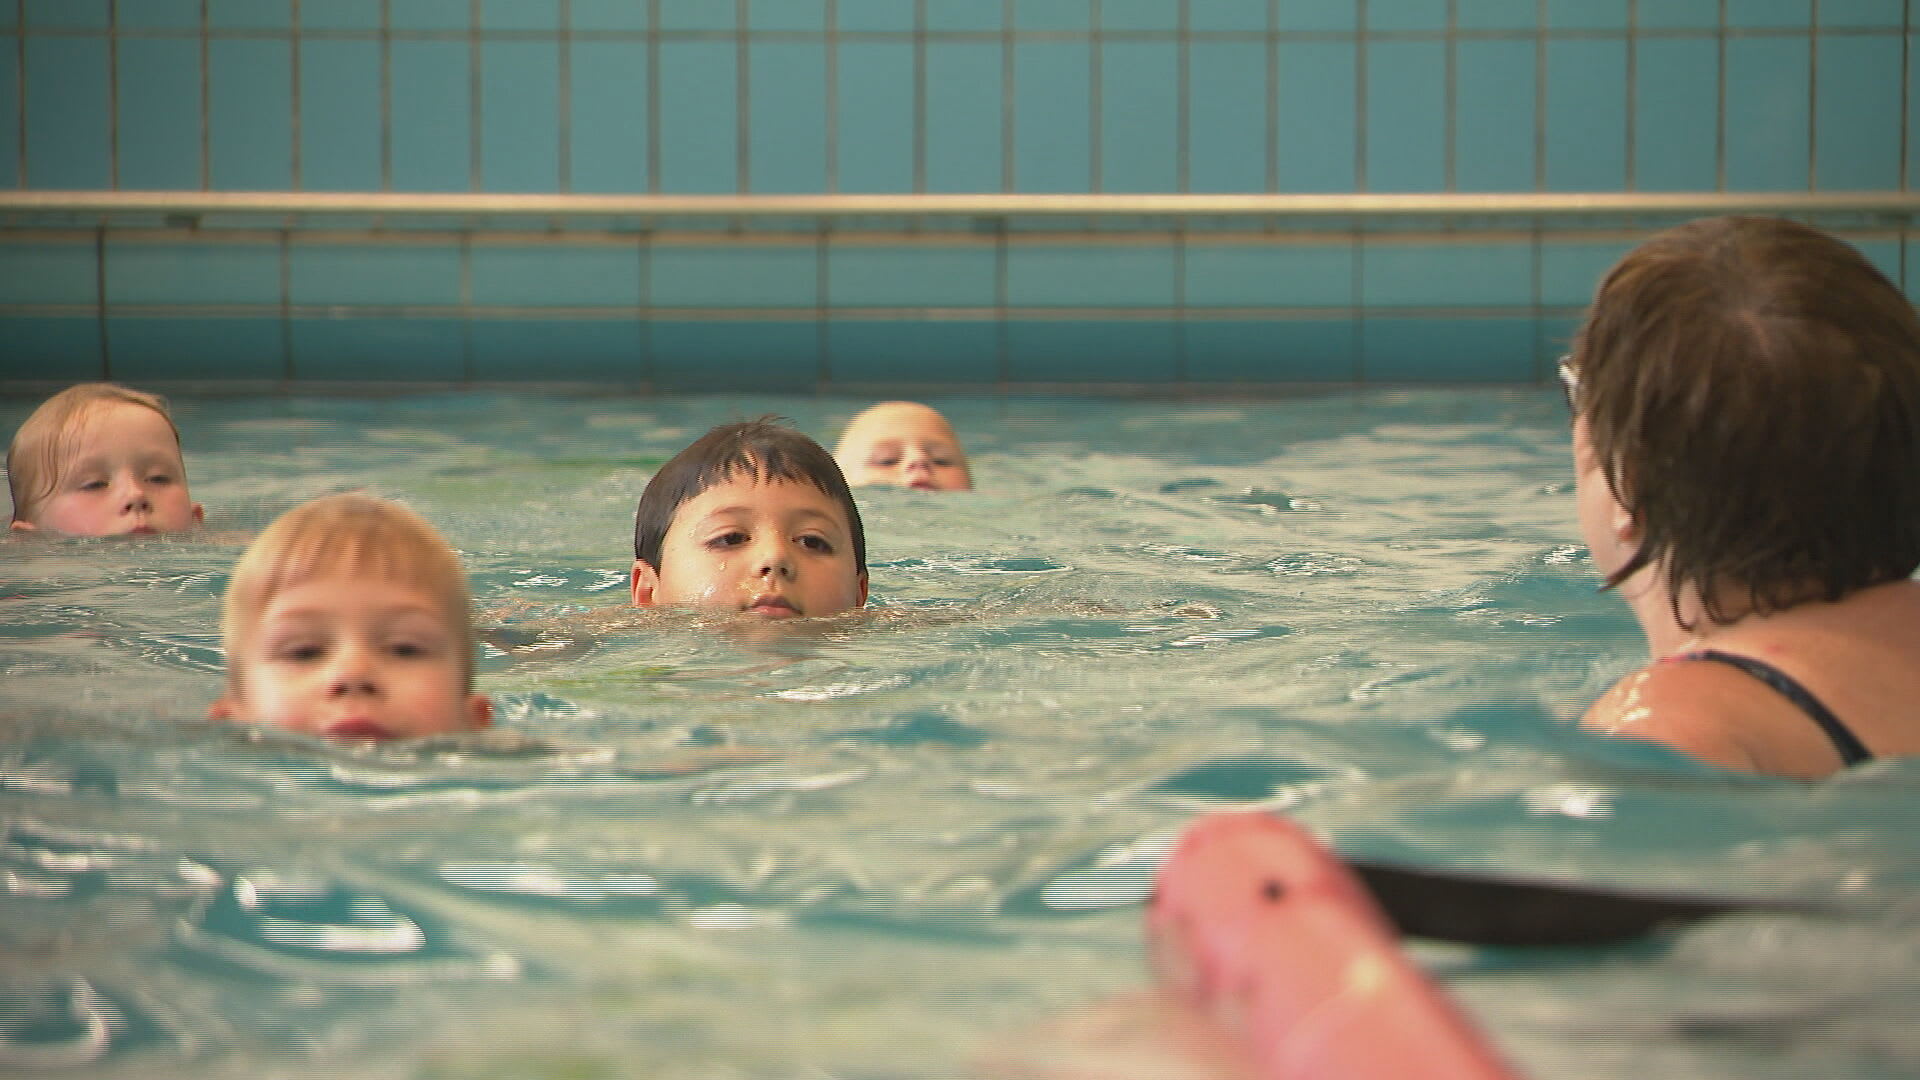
(99, 459)
(350, 618)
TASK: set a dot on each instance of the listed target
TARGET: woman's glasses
(1570, 382)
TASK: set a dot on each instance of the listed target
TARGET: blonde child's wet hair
(43, 443)
(349, 535)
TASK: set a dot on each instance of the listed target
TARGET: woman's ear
(863, 589)
(479, 712)
(24, 526)
(645, 581)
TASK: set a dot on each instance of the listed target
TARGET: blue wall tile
(556, 277)
(1271, 350)
(1913, 117)
(520, 15)
(378, 276)
(1571, 270)
(1912, 265)
(150, 15)
(1227, 116)
(431, 14)
(335, 15)
(1679, 15)
(1093, 275)
(1317, 126)
(1052, 14)
(861, 351)
(1587, 14)
(932, 277)
(1448, 350)
(67, 113)
(1142, 14)
(1493, 135)
(10, 106)
(66, 14)
(608, 129)
(1446, 275)
(50, 272)
(746, 276)
(1052, 116)
(53, 349)
(699, 118)
(1406, 116)
(1140, 116)
(1771, 14)
(746, 355)
(250, 14)
(1497, 14)
(589, 15)
(1404, 17)
(787, 118)
(379, 350)
(1857, 113)
(1222, 16)
(250, 115)
(875, 16)
(610, 351)
(965, 15)
(697, 15)
(1269, 275)
(519, 116)
(190, 273)
(432, 122)
(1766, 121)
(963, 132)
(1879, 14)
(1319, 15)
(159, 128)
(1676, 114)
(339, 115)
(147, 349)
(874, 150)
(1098, 351)
(1883, 254)
(1555, 338)
(1586, 115)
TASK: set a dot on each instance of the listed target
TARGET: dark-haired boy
(753, 517)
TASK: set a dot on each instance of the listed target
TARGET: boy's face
(124, 475)
(906, 444)
(776, 549)
(351, 658)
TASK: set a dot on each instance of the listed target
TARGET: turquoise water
(891, 846)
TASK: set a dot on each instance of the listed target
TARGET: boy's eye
(299, 652)
(887, 462)
(733, 538)
(160, 478)
(410, 650)
(93, 485)
(817, 543)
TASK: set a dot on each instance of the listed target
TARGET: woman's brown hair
(1751, 388)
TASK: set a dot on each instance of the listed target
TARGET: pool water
(892, 845)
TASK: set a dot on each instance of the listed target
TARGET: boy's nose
(774, 562)
(352, 673)
(133, 495)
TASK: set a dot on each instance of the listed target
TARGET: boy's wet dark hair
(766, 449)
(1752, 392)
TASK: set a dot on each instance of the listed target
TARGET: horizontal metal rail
(1451, 204)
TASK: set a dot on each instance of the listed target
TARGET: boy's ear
(199, 514)
(23, 526)
(221, 710)
(645, 580)
(479, 711)
(863, 589)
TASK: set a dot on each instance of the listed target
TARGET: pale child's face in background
(124, 475)
(777, 549)
(909, 445)
(350, 658)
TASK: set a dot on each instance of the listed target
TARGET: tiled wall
(895, 96)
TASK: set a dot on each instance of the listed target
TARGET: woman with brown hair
(1746, 442)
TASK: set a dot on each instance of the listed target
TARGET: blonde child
(754, 517)
(904, 443)
(98, 459)
(349, 617)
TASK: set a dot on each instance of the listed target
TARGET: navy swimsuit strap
(1852, 750)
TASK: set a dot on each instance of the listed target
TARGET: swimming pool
(888, 849)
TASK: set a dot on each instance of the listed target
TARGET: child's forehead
(751, 489)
